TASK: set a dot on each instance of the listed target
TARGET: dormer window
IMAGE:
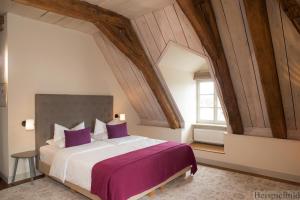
(209, 109)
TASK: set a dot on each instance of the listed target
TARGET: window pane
(220, 116)
(206, 113)
(218, 103)
(206, 100)
(206, 87)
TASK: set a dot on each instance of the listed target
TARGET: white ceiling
(128, 8)
(131, 8)
(180, 58)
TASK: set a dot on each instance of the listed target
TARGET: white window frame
(215, 107)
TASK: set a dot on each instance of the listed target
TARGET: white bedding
(47, 153)
(75, 164)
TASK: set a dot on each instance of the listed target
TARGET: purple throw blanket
(129, 174)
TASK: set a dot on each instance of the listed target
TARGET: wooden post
(201, 15)
(1, 22)
(119, 30)
(258, 22)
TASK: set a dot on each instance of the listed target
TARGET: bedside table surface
(26, 154)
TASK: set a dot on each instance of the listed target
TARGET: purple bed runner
(129, 174)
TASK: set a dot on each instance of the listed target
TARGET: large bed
(109, 169)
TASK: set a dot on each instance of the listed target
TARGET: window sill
(208, 147)
(220, 127)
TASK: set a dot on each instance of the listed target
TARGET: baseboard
(19, 177)
(4, 178)
(251, 170)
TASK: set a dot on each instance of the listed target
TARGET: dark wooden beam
(1, 22)
(201, 15)
(292, 10)
(257, 16)
(120, 32)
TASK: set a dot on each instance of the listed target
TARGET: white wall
(160, 133)
(266, 156)
(45, 58)
(183, 89)
(3, 110)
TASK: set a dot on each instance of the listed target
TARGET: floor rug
(208, 183)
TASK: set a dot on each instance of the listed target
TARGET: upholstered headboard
(68, 110)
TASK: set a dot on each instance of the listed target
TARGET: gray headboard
(68, 110)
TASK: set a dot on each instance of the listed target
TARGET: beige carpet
(208, 183)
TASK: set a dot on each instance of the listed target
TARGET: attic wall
(157, 28)
(132, 82)
(242, 63)
(129, 77)
(49, 59)
(286, 42)
(233, 27)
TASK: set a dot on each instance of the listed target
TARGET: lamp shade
(29, 124)
(122, 117)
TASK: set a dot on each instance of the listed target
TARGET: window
(209, 109)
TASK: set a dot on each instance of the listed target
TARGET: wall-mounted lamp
(122, 117)
(28, 124)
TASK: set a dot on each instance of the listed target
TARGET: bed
(113, 169)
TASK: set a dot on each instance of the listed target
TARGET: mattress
(47, 153)
(75, 164)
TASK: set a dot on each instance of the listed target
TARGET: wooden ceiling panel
(257, 17)
(292, 10)
(51, 18)
(132, 8)
(201, 15)
(284, 41)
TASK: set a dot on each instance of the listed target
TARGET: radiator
(209, 136)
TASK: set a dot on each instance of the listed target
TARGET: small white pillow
(59, 133)
(100, 131)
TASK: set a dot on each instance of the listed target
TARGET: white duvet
(75, 164)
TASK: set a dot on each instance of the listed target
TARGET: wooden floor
(208, 147)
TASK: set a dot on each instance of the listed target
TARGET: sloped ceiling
(128, 8)
(158, 26)
(180, 58)
(131, 8)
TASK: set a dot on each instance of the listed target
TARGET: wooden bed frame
(45, 169)
(69, 110)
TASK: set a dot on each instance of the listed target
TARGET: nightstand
(30, 155)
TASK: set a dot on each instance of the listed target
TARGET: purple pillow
(76, 138)
(117, 130)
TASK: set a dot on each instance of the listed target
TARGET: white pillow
(100, 131)
(59, 133)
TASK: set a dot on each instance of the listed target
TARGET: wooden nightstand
(30, 155)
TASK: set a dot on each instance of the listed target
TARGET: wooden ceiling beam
(201, 15)
(292, 10)
(77, 9)
(257, 16)
(119, 30)
(1, 22)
